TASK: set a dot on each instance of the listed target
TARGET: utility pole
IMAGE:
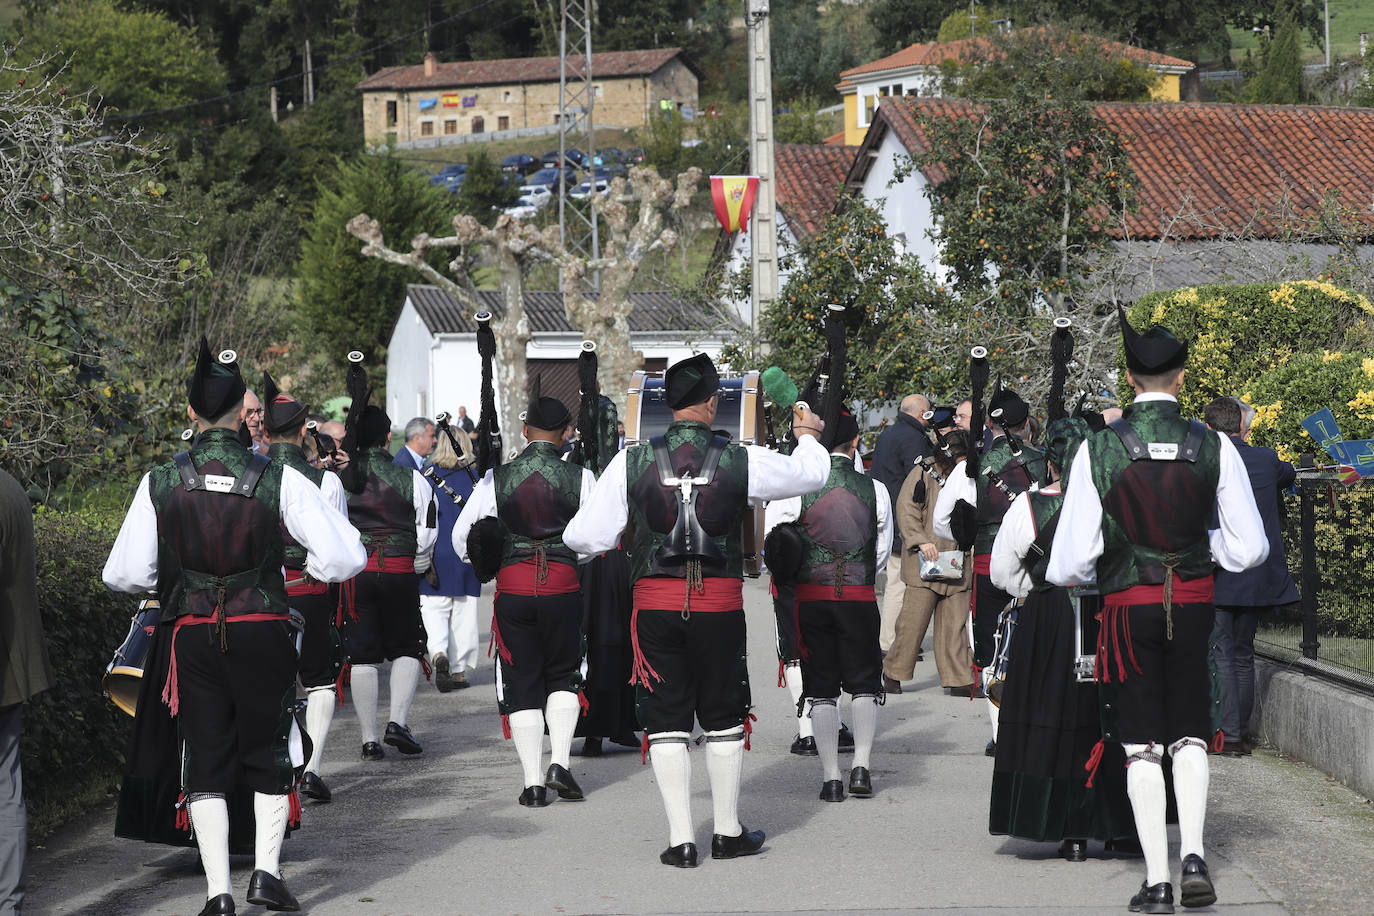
(763, 236)
(577, 225)
(309, 88)
(1326, 22)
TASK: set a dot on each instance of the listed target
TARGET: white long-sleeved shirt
(789, 510)
(482, 504)
(598, 524)
(1238, 542)
(1013, 542)
(334, 551)
(958, 486)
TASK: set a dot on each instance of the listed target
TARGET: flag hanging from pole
(733, 196)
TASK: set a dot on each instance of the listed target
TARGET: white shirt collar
(415, 456)
(1154, 396)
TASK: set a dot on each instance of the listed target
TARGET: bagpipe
(442, 426)
(353, 476)
(597, 419)
(489, 442)
(326, 449)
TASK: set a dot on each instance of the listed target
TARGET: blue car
(450, 175)
(519, 163)
(550, 177)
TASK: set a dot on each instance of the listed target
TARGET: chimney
(430, 64)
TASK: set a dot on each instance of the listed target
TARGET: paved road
(442, 835)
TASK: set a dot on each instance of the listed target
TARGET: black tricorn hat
(690, 381)
(373, 426)
(844, 431)
(281, 413)
(548, 414)
(1153, 353)
(1013, 410)
(216, 384)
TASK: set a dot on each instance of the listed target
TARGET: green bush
(1282, 397)
(74, 738)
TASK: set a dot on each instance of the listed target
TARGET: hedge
(74, 738)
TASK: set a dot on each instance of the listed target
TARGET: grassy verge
(1348, 19)
(1347, 652)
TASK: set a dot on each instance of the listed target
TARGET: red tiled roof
(455, 74)
(934, 53)
(809, 182)
(1243, 167)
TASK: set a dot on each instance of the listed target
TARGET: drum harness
(688, 541)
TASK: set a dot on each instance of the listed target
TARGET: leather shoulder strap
(1192, 445)
(190, 477)
(1135, 446)
(712, 460)
(662, 459)
(246, 484)
(1044, 538)
(1139, 451)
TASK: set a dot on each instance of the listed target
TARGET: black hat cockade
(1007, 409)
(216, 384)
(690, 381)
(549, 414)
(280, 413)
(1153, 353)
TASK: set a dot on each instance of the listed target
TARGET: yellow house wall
(853, 133)
(1167, 89)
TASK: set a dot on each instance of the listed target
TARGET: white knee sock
(724, 764)
(319, 713)
(1145, 786)
(210, 821)
(825, 721)
(362, 680)
(993, 711)
(561, 711)
(1190, 791)
(527, 732)
(405, 674)
(269, 815)
(864, 708)
(792, 673)
(673, 773)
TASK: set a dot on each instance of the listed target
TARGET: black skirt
(607, 605)
(1048, 727)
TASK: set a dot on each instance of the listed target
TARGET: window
(596, 90)
(390, 114)
(478, 125)
(451, 126)
(505, 96)
(503, 122)
(426, 128)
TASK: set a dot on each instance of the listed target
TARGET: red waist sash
(982, 564)
(298, 583)
(523, 579)
(380, 562)
(1189, 591)
(813, 592)
(660, 593)
(170, 696)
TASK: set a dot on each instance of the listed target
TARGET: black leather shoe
(846, 738)
(1074, 850)
(1196, 887)
(1156, 898)
(732, 847)
(373, 751)
(964, 691)
(627, 740)
(268, 890)
(534, 797)
(1124, 845)
(591, 747)
(559, 779)
(684, 856)
(804, 747)
(1233, 749)
(399, 737)
(990, 749)
(891, 685)
(832, 790)
(443, 678)
(860, 782)
(223, 905)
(312, 786)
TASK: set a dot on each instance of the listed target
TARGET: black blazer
(1269, 583)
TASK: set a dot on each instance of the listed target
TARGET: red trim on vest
(1186, 591)
(169, 688)
(982, 564)
(523, 579)
(808, 591)
(378, 561)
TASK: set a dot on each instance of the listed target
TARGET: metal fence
(1306, 634)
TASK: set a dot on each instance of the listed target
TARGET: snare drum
(1001, 657)
(124, 673)
(1086, 605)
(739, 412)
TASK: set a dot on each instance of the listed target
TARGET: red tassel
(749, 721)
(782, 675)
(499, 643)
(505, 727)
(294, 811)
(344, 673)
(169, 689)
(583, 702)
(183, 814)
(348, 602)
(426, 667)
(977, 679)
(1094, 761)
(802, 651)
(644, 750)
(1218, 742)
(1130, 646)
(640, 671)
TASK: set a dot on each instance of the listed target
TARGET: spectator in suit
(893, 458)
(466, 425)
(1242, 597)
(24, 673)
(420, 439)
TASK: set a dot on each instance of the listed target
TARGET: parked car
(448, 174)
(538, 194)
(584, 190)
(572, 157)
(633, 156)
(549, 176)
(519, 163)
(611, 155)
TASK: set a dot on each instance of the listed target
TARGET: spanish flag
(734, 199)
(451, 100)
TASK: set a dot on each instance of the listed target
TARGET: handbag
(947, 567)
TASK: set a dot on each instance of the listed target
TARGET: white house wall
(740, 255)
(905, 209)
(408, 383)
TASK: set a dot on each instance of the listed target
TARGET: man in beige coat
(946, 601)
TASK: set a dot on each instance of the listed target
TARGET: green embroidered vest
(841, 524)
(653, 508)
(291, 456)
(217, 549)
(537, 494)
(1017, 473)
(1044, 507)
(1155, 513)
(384, 512)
